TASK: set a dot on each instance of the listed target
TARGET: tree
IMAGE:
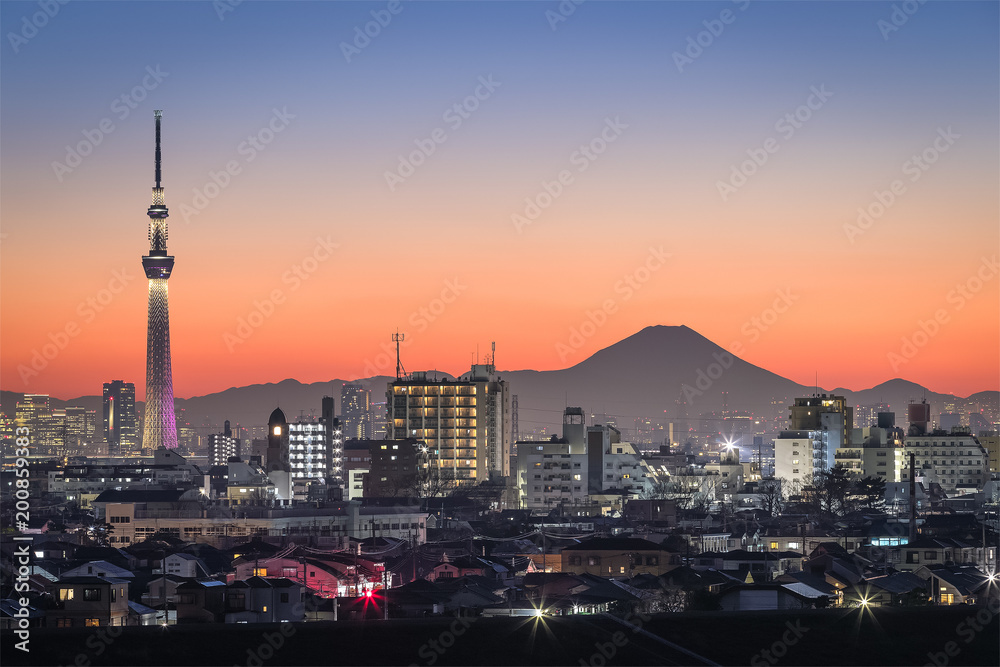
(871, 490)
(770, 495)
(675, 544)
(99, 532)
(829, 493)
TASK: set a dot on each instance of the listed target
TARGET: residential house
(617, 557)
(761, 597)
(260, 600)
(201, 601)
(898, 589)
(89, 601)
(185, 565)
(955, 584)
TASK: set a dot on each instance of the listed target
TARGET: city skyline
(331, 190)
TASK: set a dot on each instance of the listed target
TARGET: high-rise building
(957, 461)
(223, 446)
(919, 417)
(395, 469)
(307, 458)
(600, 438)
(554, 474)
(81, 425)
(31, 411)
(355, 411)
(799, 455)
(465, 423)
(334, 447)
(379, 420)
(159, 424)
(45, 425)
(826, 413)
(991, 443)
(119, 418)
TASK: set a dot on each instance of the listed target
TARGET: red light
(368, 593)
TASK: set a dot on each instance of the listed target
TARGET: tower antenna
(157, 114)
(398, 338)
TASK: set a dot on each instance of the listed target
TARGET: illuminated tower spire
(160, 425)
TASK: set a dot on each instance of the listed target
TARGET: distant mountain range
(647, 374)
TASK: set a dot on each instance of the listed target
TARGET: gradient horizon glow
(306, 231)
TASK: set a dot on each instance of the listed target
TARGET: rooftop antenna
(398, 338)
(493, 356)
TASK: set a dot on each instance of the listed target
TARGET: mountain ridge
(652, 373)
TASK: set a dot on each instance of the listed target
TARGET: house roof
(140, 496)
(201, 583)
(805, 590)
(899, 582)
(92, 580)
(110, 570)
(10, 606)
(615, 544)
(814, 581)
(141, 609)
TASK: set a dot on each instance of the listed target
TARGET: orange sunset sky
(857, 294)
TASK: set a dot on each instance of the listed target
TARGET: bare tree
(770, 495)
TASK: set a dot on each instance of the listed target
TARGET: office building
(355, 412)
(119, 419)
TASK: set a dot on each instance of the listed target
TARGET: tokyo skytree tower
(160, 425)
